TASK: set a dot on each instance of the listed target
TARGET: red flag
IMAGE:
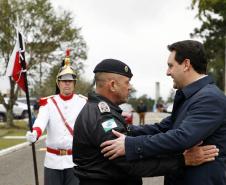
(15, 68)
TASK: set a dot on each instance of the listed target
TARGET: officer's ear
(112, 85)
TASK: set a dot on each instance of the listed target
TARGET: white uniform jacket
(58, 135)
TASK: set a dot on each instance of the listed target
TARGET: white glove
(31, 136)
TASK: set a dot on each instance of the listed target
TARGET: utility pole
(157, 92)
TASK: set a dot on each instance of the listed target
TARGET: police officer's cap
(113, 66)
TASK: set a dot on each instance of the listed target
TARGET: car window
(24, 100)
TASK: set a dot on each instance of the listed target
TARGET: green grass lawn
(21, 130)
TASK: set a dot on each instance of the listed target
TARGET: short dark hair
(192, 50)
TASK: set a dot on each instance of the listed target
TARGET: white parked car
(2, 115)
(24, 100)
(169, 108)
(20, 110)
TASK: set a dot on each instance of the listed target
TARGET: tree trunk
(9, 122)
(10, 103)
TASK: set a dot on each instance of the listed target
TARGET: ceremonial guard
(58, 114)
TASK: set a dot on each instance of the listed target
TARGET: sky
(136, 32)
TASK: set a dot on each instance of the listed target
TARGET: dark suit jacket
(199, 114)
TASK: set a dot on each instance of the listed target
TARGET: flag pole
(22, 59)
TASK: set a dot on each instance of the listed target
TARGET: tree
(160, 100)
(148, 102)
(132, 93)
(49, 86)
(48, 35)
(212, 13)
(83, 87)
(171, 95)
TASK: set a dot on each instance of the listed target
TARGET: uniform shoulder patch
(103, 106)
(109, 124)
(43, 101)
(80, 95)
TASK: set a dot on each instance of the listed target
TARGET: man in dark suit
(199, 114)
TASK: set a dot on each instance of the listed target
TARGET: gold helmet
(66, 72)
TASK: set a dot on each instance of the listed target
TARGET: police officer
(94, 125)
(58, 114)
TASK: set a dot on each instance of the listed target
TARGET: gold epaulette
(80, 95)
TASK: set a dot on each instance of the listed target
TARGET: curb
(17, 147)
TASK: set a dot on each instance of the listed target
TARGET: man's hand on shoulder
(200, 154)
(114, 148)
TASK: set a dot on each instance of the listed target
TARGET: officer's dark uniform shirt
(93, 126)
